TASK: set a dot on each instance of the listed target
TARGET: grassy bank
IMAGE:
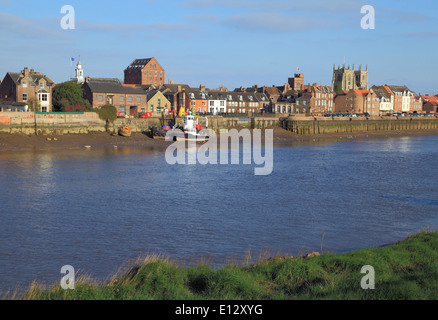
(405, 270)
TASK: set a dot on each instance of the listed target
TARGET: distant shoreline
(99, 140)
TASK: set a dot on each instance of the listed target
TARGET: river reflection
(98, 209)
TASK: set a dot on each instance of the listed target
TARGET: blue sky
(225, 42)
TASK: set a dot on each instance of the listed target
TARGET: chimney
(179, 88)
(26, 72)
(202, 87)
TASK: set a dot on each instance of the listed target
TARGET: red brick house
(358, 101)
(127, 99)
(27, 86)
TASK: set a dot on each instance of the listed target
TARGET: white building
(79, 78)
(217, 102)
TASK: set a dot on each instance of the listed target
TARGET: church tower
(79, 73)
(350, 78)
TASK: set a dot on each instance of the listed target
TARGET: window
(211, 103)
(152, 108)
(222, 103)
(122, 109)
(44, 109)
(44, 97)
(143, 110)
(100, 98)
(203, 103)
(122, 98)
(193, 103)
(24, 96)
(42, 84)
(139, 99)
(129, 99)
(24, 84)
(159, 103)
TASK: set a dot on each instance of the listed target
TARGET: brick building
(127, 99)
(145, 72)
(28, 86)
(358, 101)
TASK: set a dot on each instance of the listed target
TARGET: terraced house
(386, 99)
(402, 98)
(29, 87)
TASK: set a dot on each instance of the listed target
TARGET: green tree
(107, 113)
(34, 105)
(70, 92)
(338, 88)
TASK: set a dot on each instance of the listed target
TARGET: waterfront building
(156, 102)
(430, 104)
(358, 101)
(402, 97)
(29, 87)
(386, 99)
(128, 100)
(145, 72)
(217, 102)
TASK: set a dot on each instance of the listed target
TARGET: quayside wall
(29, 123)
(345, 125)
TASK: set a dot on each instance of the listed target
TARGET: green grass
(405, 270)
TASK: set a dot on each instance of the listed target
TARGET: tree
(338, 88)
(67, 94)
(34, 105)
(107, 113)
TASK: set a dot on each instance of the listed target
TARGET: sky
(229, 43)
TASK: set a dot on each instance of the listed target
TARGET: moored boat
(125, 131)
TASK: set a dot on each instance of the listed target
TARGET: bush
(107, 113)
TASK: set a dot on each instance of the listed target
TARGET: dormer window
(24, 84)
(42, 84)
(240, 98)
(229, 97)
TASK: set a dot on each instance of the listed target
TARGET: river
(98, 209)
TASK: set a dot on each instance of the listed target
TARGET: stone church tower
(350, 78)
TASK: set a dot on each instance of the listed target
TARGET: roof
(139, 63)
(34, 78)
(381, 92)
(397, 88)
(430, 98)
(362, 93)
(109, 85)
(173, 88)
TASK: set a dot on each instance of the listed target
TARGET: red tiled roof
(362, 93)
(430, 98)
